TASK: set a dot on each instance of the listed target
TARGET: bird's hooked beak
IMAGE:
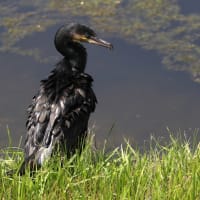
(92, 40)
(100, 42)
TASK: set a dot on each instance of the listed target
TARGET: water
(137, 95)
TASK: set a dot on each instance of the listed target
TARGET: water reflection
(136, 94)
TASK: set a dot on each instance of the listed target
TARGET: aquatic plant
(153, 24)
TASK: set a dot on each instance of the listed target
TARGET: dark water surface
(137, 96)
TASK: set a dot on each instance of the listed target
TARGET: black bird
(59, 113)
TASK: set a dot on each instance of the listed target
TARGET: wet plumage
(59, 113)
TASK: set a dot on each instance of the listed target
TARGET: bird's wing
(84, 109)
(82, 103)
(39, 113)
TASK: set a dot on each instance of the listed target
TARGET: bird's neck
(74, 53)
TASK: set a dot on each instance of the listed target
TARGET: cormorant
(59, 113)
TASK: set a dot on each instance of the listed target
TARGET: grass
(164, 172)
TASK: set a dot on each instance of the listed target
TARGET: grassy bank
(165, 172)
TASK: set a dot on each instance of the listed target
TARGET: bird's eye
(87, 35)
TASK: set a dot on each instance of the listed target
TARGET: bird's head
(67, 42)
(82, 33)
(76, 33)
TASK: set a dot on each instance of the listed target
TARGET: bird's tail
(35, 160)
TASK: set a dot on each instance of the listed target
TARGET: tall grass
(165, 172)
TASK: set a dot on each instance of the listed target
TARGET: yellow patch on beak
(79, 38)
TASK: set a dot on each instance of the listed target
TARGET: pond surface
(137, 95)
